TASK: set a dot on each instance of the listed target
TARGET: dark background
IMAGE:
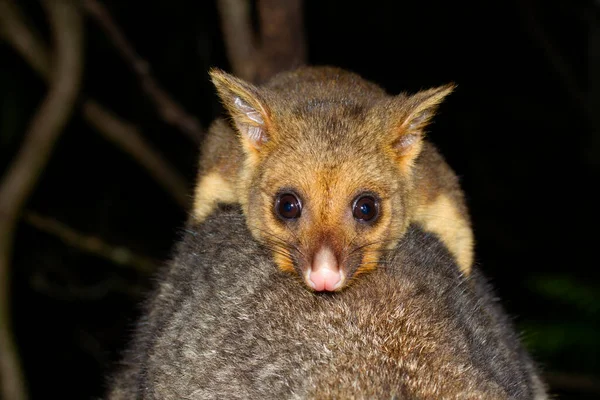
(521, 131)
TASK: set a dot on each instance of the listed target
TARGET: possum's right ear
(245, 105)
(411, 116)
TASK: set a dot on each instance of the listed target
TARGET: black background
(521, 131)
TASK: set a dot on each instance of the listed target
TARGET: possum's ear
(412, 115)
(246, 107)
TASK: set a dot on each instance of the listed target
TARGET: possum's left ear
(414, 114)
(246, 106)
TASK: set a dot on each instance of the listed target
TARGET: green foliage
(567, 336)
(582, 297)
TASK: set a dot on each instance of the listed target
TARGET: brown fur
(225, 323)
(329, 135)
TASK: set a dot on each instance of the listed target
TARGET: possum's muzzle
(324, 273)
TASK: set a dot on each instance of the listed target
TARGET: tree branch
(240, 42)
(128, 138)
(106, 123)
(91, 244)
(21, 177)
(15, 31)
(169, 110)
(281, 44)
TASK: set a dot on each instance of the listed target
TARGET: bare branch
(282, 40)
(90, 244)
(22, 175)
(169, 110)
(128, 138)
(239, 37)
(281, 44)
(110, 126)
(69, 292)
(15, 31)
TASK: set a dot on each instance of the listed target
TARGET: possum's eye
(288, 206)
(365, 208)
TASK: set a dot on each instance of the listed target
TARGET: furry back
(225, 323)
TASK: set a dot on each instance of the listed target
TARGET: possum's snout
(324, 274)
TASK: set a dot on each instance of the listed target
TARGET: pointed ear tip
(448, 88)
(441, 92)
(217, 75)
(215, 71)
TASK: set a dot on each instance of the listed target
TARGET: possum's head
(329, 168)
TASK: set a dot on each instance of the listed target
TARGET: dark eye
(365, 208)
(288, 206)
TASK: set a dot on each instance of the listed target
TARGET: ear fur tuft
(245, 105)
(415, 113)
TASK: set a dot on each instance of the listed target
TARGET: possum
(330, 171)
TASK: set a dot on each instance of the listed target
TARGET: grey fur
(224, 323)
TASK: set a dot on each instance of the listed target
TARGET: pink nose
(324, 273)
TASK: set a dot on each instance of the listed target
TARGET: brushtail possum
(330, 171)
(226, 323)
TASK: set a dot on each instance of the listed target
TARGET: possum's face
(327, 218)
(328, 176)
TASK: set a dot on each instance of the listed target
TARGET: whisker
(364, 265)
(379, 251)
(279, 251)
(296, 238)
(382, 261)
(352, 240)
(369, 244)
(284, 245)
(276, 239)
(276, 245)
(231, 216)
(439, 217)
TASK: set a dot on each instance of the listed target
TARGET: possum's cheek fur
(368, 250)
(269, 231)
